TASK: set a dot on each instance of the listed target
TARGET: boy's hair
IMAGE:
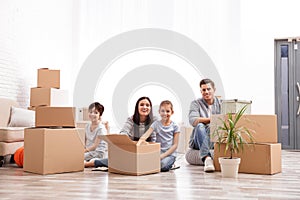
(99, 107)
(166, 102)
(207, 81)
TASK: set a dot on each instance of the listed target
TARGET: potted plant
(234, 137)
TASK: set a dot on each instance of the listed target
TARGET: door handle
(298, 86)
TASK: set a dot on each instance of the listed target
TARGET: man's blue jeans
(202, 140)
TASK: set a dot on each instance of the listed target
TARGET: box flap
(236, 101)
(117, 139)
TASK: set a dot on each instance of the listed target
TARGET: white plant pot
(229, 167)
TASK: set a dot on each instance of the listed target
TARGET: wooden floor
(187, 182)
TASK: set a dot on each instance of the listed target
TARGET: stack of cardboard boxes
(54, 145)
(262, 157)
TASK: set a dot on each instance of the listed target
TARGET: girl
(167, 134)
(95, 148)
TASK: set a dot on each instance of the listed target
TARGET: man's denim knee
(200, 134)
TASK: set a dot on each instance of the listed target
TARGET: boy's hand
(106, 124)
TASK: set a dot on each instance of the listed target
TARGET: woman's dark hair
(99, 107)
(136, 117)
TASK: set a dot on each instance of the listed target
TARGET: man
(199, 117)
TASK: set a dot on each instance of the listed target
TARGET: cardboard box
(81, 124)
(255, 159)
(234, 105)
(48, 78)
(82, 114)
(125, 157)
(48, 97)
(46, 116)
(50, 151)
(184, 138)
(264, 127)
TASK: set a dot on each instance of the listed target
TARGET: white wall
(262, 22)
(34, 34)
(237, 35)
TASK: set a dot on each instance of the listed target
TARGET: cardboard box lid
(118, 139)
(236, 101)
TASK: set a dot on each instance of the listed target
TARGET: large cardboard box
(46, 116)
(234, 105)
(125, 157)
(184, 138)
(48, 97)
(48, 78)
(255, 159)
(264, 127)
(50, 151)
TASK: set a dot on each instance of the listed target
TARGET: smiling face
(207, 92)
(94, 115)
(165, 112)
(144, 108)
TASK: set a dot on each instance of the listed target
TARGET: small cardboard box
(46, 116)
(264, 127)
(82, 114)
(234, 105)
(184, 138)
(125, 157)
(255, 159)
(50, 151)
(48, 78)
(48, 97)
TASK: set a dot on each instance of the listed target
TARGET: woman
(134, 127)
(141, 120)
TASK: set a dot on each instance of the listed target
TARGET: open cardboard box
(125, 157)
